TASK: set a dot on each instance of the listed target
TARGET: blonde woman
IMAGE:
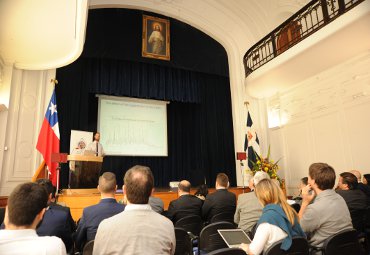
(278, 222)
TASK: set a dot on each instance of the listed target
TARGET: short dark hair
(304, 180)
(184, 186)
(367, 177)
(25, 202)
(202, 190)
(349, 179)
(107, 182)
(48, 186)
(323, 174)
(139, 182)
(222, 180)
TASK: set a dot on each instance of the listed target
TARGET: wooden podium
(86, 173)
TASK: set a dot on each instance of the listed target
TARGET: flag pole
(246, 103)
(54, 81)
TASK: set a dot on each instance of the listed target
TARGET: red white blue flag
(49, 139)
(251, 142)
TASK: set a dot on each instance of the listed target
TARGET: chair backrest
(225, 216)
(210, 239)
(358, 219)
(299, 247)
(344, 242)
(88, 248)
(193, 224)
(2, 214)
(228, 251)
(184, 245)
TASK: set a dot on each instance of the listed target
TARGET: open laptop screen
(234, 237)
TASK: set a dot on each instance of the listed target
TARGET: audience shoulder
(53, 244)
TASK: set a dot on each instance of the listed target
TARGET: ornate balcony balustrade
(312, 17)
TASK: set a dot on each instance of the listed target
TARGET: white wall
(328, 121)
(19, 126)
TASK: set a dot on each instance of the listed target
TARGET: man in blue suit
(93, 215)
(56, 222)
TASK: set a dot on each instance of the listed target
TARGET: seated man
(328, 214)
(361, 186)
(56, 222)
(185, 205)
(138, 229)
(355, 198)
(249, 209)
(57, 206)
(221, 201)
(156, 204)
(93, 215)
(26, 207)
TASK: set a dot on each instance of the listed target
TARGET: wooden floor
(78, 199)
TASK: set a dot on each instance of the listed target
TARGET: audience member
(355, 198)
(361, 186)
(221, 201)
(156, 204)
(56, 222)
(57, 206)
(185, 205)
(328, 214)
(93, 215)
(26, 207)
(249, 209)
(278, 222)
(202, 192)
(303, 183)
(366, 179)
(138, 229)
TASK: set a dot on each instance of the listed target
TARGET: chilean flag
(48, 141)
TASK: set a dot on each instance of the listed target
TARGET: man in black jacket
(221, 201)
(185, 205)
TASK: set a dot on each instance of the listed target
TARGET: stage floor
(78, 199)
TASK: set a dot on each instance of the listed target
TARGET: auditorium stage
(78, 199)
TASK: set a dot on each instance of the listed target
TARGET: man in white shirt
(26, 207)
(138, 229)
(96, 146)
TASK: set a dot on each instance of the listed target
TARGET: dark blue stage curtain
(200, 129)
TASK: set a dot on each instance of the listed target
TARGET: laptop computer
(234, 237)
(89, 153)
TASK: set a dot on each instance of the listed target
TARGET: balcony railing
(312, 17)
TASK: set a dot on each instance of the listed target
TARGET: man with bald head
(138, 229)
(185, 205)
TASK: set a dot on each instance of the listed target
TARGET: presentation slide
(132, 127)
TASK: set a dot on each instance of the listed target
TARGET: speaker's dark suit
(56, 223)
(221, 201)
(91, 218)
(185, 205)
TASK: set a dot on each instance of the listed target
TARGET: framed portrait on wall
(156, 38)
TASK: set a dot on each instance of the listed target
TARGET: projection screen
(132, 127)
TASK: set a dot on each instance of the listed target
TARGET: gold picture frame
(156, 38)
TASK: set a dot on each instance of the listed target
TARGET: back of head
(268, 192)
(367, 178)
(304, 181)
(184, 186)
(139, 182)
(202, 190)
(107, 182)
(25, 202)
(349, 179)
(222, 180)
(259, 176)
(47, 185)
(357, 174)
(323, 174)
